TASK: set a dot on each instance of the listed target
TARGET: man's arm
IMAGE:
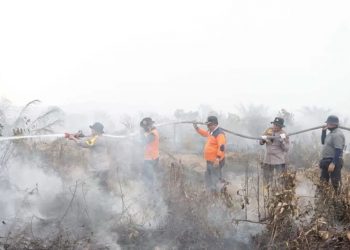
(338, 142)
(200, 131)
(267, 132)
(285, 143)
(337, 155)
(84, 143)
(221, 140)
(263, 140)
(323, 136)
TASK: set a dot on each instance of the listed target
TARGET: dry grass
(195, 218)
(191, 221)
(324, 224)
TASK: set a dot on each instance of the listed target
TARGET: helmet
(212, 120)
(333, 120)
(146, 122)
(279, 122)
(98, 127)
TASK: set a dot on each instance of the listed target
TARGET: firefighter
(214, 152)
(98, 166)
(90, 141)
(276, 150)
(150, 138)
(332, 152)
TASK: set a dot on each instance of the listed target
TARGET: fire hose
(78, 135)
(256, 138)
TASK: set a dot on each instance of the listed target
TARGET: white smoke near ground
(46, 198)
(46, 193)
(82, 209)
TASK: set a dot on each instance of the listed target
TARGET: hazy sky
(162, 55)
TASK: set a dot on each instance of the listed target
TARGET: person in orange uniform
(151, 152)
(214, 152)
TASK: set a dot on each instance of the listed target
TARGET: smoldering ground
(61, 207)
(48, 201)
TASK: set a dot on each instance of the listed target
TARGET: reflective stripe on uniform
(92, 141)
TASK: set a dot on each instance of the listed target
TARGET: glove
(331, 167)
(195, 125)
(69, 136)
(264, 137)
(325, 127)
(283, 136)
(79, 134)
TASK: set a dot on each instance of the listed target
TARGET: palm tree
(42, 124)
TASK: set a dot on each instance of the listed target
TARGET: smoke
(47, 202)
(48, 195)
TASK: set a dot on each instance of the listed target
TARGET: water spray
(22, 137)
